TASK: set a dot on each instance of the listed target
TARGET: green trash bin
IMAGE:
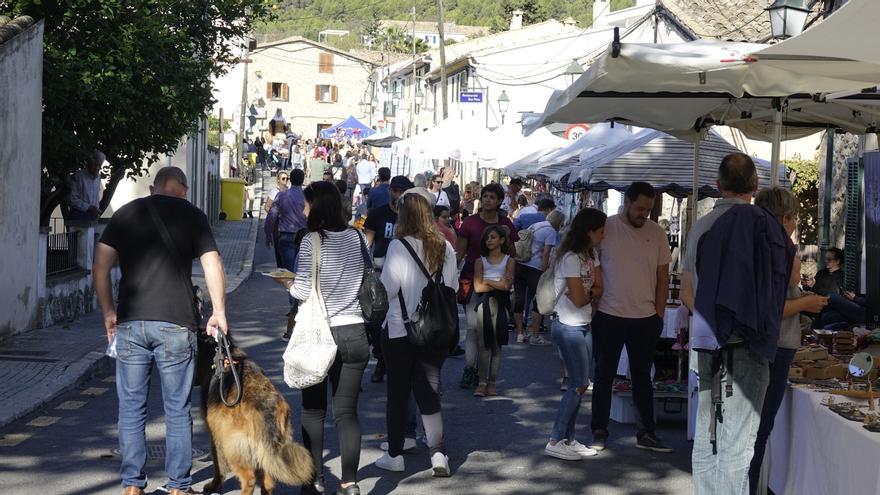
(232, 198)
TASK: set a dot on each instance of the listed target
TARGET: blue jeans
(576, 346)
(172, 348)
(772, 400)
(289, 254)
(727, 473)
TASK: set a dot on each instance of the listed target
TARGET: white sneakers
(389, 463)
(408, 444)
(568, 450)
(440, 465)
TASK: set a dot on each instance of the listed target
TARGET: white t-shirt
(366, 171)
(572, 265)
(544, 235)
(401, 274)
(442, 199)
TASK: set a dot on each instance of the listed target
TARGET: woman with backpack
(493, 279)
(578, 283)
(340, 271)
(414, 370)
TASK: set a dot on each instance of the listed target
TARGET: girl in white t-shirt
(493, 279)
(578, 281)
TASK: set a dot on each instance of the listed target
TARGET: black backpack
(434, 325)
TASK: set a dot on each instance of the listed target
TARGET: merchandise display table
(814, 451)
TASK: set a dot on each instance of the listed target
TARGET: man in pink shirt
(635, 258)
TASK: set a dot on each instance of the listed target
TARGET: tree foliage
(805, 185)
(128, 77)
(395, 39)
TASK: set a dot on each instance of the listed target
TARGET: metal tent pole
(777, 137)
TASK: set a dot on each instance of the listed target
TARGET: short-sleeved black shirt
(381, 220)
(151, 287)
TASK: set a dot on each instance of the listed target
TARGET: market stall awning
(507, 145)
(659, 159)
(352, 128)
(381, 140)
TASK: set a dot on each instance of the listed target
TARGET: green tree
(395, 39)
(128, 77)
(804, 176)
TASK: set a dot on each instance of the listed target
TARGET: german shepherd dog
(253, 438)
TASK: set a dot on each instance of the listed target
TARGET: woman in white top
(493, 279)
(413, 370)
(578, 282)
(297, 158)
(282, 182)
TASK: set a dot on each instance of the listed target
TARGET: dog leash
(221, 357)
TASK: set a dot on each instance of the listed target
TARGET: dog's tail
(290, 463)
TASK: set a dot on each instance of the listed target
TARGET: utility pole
(412, 114)
(239, 147)
(440, 30)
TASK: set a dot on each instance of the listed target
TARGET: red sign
(576, 131)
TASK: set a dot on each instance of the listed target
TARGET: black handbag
(434, 325)
(372, 295)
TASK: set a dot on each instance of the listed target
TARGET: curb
(77, 372)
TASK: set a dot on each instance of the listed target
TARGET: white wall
(296, 64)
(21, 83)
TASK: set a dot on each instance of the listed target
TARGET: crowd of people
(493, 247)
(610, 277)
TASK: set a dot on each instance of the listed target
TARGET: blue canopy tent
(352, 128)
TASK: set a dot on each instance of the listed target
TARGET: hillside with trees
(308, 17)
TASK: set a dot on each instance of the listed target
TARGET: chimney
(569, 22)
(516, 22)
(601, 8)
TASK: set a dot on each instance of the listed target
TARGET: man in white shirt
(440, 196)
(512, 194)
(366, 172)
(85, 190)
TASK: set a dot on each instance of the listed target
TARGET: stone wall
(21, 82)
(845, 146)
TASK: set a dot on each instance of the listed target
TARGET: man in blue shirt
(288, 211)
(379, 194)
(526, 220)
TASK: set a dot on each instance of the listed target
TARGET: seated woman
(843, 311)
(828, 280)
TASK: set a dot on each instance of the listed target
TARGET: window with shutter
(325, 63)
(276, 91)
(852, 258)
(325, 93)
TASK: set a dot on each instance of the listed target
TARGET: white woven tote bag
(311, 349)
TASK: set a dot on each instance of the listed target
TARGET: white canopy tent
(507, 145)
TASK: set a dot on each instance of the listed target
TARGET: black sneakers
(649, 441)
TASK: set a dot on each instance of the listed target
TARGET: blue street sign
(470, 97)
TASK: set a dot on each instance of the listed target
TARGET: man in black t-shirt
(155, 319)
(379, 230)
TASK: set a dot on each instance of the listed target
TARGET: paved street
(67, 446)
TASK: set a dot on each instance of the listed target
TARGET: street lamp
(364, 107)
(395, 97)
(787, 18)
(503, 104)
(573, 71)
(419, 97)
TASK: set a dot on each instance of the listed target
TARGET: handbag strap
(316, 282)
(175, 254)
(368, 262)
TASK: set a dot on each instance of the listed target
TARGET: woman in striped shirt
(340, 270)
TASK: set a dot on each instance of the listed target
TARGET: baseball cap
(400, 182)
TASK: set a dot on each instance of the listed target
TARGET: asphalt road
(495, 445)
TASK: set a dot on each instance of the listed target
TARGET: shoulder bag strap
(368, 262)
(175, 254)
